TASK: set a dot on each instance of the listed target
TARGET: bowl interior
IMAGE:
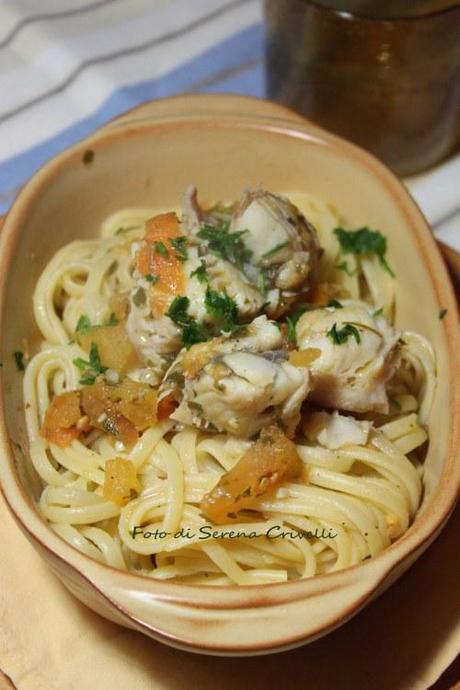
(151, 163)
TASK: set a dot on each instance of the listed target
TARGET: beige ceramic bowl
(223, 144)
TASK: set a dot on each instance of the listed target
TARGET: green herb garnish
(334, 303)
(223, 310)
(364, 242)
(150, 278)
(218, 305)
(83, 323)
(261, 283)
(200, 273)
(339, 337)
(377, 312)
(275, 249)
(111, 321)
(344, 267)
(192, 331)
(180, 245)
(160, 248)
(87, 380)
(19, 359)
(227, 245)
(292, 322)
(91, 368)
(442, 314)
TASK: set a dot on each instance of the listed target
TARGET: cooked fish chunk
(284, 246)
(220, 254)
(158, 277)
(227, 274)
(356, 352)
(153, 339)
(238, 384)
(194, 216)
(167, 265)
(223, 276)
(261, 335)
(242, 392)
(266, 242)
(336, 430)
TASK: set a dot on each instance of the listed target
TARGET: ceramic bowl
(223, 144)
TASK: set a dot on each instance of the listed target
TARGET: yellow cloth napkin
(49, 641)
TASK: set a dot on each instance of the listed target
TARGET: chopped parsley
(19, 359)
(343, 266)
(180, 245)
(160, 248)
(292, 322)
(227, 245)
(218, 305)
(192, 331)
(84, 323)
(91, 368)
(223, 310)
(364, 242)
(261, 282)
(150, 278)
(275, 249)
(442, 314)
(111, 321)
(339, 337)
(377, 312)
(334, 303)
(200, 273)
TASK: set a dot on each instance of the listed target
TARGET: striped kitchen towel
(68, 66)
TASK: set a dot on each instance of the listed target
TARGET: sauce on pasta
(221, 396)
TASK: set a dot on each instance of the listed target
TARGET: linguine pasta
(348, 502)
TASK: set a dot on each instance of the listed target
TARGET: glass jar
(382, 73)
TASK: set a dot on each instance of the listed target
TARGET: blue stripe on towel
(235, 64)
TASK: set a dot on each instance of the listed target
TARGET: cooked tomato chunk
(270, 461)
(113, 345)
(61, 417)
(120, 480)
(122, 409)
(158, 258)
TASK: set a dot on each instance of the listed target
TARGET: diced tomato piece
(61, 417)
(113, 345)
(62, 437)
(120, 480)
(268, 463)
(159, 258)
